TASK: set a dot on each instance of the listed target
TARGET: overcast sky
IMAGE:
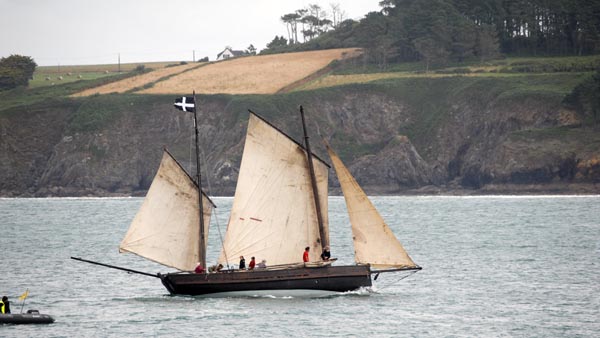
(69, 32)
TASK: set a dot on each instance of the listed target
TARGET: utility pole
(194, 55)
(119, 57)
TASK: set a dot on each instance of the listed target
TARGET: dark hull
(330, 278)
(25, 319)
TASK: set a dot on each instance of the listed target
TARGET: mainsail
(166, 229)
(273, 214)
(374, 241)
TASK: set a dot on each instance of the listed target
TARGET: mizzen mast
(313, 182)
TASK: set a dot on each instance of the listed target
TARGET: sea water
(492, 266)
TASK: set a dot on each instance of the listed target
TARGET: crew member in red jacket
(305, 256)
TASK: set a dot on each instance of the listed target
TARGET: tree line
(439, 31)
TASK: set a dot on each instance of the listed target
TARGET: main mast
(313, 182)
(202, 248)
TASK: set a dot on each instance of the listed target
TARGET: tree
(486, 43)
(291, 20)
(338, 15)
(375, 36)
(317, 21)
(431, 51)
(251, 50)
(278, 41)
(16, 70)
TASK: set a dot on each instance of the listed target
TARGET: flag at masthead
(185, 103)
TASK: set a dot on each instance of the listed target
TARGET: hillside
(263, 74)
(139, 81)
(482, 132)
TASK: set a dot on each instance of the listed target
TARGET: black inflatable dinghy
(31, 317)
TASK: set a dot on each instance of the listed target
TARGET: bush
(585, 99)
(16, 70)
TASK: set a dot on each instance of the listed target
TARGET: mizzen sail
(166, 229)
(273, 214)
(374, 241)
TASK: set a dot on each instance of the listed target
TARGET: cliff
(402, 136)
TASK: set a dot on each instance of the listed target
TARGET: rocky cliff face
(393, 144)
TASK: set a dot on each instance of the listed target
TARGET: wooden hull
(25, 318)
(329, 278)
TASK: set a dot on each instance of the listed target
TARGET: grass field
(55, 75)
(504, 68)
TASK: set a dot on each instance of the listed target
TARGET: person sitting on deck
(4, 305)
(199, 268)
(262, 264)
(305, 255)
(216, 268)
(252, 264)
(242, 263)
(326, 255)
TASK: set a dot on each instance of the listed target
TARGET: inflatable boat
(31, 317)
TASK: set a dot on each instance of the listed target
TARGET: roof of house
(234, 52)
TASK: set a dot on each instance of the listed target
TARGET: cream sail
(374, 241)
(273, 217)
(273, 214)
(166, 228)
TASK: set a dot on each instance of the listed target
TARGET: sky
(78, 32)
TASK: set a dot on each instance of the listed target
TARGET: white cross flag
(185, 103)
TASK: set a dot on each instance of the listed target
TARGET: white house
(229, 53)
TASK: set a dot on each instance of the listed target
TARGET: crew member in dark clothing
(326, 255)
(4, 305)
(242, 263)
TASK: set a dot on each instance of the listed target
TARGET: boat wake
(363, 291)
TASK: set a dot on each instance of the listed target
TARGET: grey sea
(492, 266)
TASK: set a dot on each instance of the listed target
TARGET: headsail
(166, 229)
(374, 241)
(273, 215)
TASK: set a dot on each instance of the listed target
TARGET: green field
(521, 69)
(56, 75)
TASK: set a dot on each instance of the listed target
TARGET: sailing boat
(279, 208)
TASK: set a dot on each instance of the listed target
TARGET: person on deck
(262, 264)
(4, 305)
(199, 268)
(215, 268)
(326, 255)
(242, 263)
(305, 255)
(252, 264)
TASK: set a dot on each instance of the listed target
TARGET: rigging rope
(383, 285)
(191, 145)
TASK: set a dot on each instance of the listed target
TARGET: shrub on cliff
(585, 98)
